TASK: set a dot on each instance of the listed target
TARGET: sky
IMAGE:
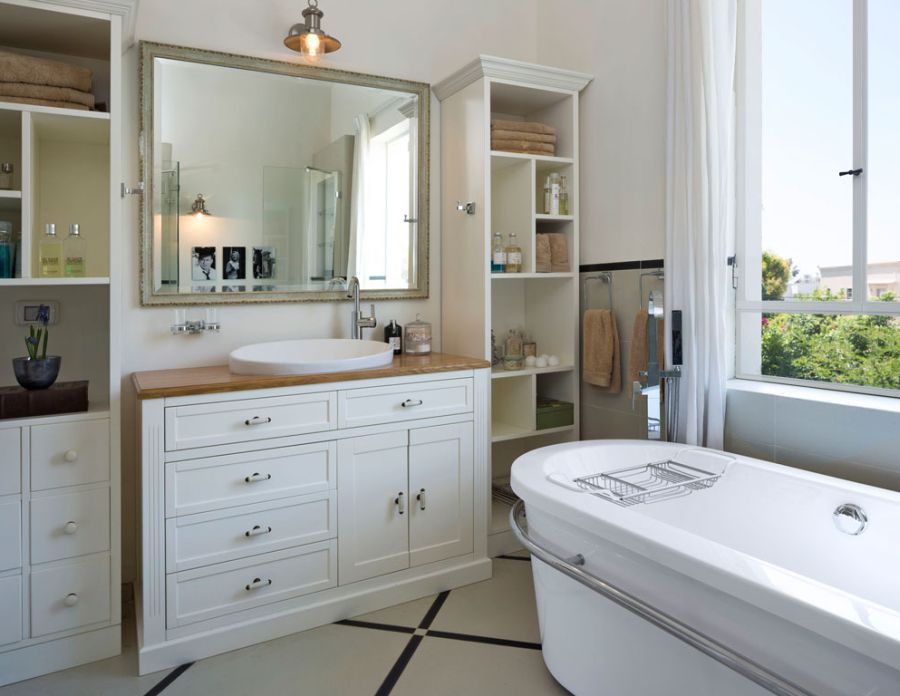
(807, 113)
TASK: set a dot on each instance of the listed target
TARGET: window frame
(748, 227)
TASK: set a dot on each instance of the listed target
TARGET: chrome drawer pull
(257, 530)
(71, 456)
(257, 420)
(421, 498)
(256, 476)
(409, 403)
(71, 527)
(258, 584)
(71, 599)
(400, 502)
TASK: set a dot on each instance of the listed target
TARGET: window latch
(732, 262)
(851, 172)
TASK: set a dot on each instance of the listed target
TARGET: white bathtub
(754, 563)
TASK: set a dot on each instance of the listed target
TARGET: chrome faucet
(357, 321)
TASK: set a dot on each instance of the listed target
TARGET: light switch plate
(27, 311)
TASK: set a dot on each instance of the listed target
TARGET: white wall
(622, 43)
(423, 41)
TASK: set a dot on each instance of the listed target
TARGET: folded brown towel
(44, 102)
(523, 146)
(542, 253)
(522, 126)
(601, 365)
(15, 67)
(61, 94)
(523, 135)
(637, 362)
(559, 253)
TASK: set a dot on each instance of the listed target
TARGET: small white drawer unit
(266, 511)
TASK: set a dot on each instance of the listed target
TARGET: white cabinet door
(441, 492)
(373, 506)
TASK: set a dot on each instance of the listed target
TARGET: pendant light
(308, 38)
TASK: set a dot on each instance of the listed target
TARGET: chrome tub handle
(708, 646)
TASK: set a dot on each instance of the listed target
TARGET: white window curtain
(700, 204)
(355, 261)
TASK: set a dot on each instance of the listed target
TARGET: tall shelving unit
(61, 577)
(506, 188)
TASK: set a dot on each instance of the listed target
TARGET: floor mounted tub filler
(666, 569)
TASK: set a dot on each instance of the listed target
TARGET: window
(818, 212)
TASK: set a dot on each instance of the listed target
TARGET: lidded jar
(417, 337)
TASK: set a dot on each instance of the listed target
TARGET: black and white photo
(264, 262)
(203, 263)
(235, 259)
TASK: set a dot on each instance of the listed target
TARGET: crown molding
(513, 71)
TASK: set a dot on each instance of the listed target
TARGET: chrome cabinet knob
(71, 456)
(257, 584)
(71, 599)
(400, 502)
(411, 403)
(256, 476)
(850, 519)
(71, 527)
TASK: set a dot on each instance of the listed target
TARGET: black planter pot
(36, 374)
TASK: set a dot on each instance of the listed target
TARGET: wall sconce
(308, 38)
(198, 207)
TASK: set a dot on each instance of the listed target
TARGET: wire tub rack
(648, 483)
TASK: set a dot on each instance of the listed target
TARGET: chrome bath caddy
(648, 483)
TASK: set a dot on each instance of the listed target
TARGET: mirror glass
(276, 181)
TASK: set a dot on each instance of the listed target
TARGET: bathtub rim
(710, 562)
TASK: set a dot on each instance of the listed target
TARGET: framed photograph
(235, 260)
(264, 262)
(203, 263)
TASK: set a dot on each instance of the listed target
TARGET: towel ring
(604, 276)
(658, 273)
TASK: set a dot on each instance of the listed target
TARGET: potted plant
(36, 370)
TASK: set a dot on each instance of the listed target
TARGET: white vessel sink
(308, 356)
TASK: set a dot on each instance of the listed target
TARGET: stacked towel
(542, 259)
(601, 365)
(559, 253)
(639, 352)
(523, 136)
(29, 80)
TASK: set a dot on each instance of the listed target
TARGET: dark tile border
(390, 681)
(377, 626)
(621, 266)
(490, 640)
(433, 610)
(166, 681)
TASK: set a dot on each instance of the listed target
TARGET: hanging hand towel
(601, 355)
(637, 362)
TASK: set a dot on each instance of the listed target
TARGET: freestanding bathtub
(727, 576)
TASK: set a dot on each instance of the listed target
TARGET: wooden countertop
(189, 381)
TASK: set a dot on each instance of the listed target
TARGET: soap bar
(62, 397)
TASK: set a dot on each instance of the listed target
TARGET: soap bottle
(498, 254)
(73, 252)
(50, 253)
(554, 194)
(546, 209)
(6, 256)
(513, 255)
(393, 335)
(564, 195)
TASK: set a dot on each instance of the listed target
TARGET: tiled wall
(605, 415)
(816, 430)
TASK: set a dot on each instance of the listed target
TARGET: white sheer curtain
(700, 204)
(358, 196)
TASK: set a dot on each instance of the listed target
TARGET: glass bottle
(513, 346)
(50, 253)
(546, 209)
(554, 194)
(498, 254)
(513, 255)
(6, 256)
(564, 195)
(73, 252)
(6, 175)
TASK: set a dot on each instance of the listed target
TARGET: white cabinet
(346, 502)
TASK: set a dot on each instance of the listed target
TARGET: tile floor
(479, 639)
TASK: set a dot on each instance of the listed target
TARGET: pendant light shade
(198, 207)
(308, 38)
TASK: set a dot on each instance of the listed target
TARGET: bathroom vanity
(273, 504)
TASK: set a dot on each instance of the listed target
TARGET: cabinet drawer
(245, 420)
(71, 524)
(69, 454)
(10, 609)
(204, 593)
(359, 407)
(10, 461)
(226, 535)
(10, 535)
(200, 485)
(69, 596)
